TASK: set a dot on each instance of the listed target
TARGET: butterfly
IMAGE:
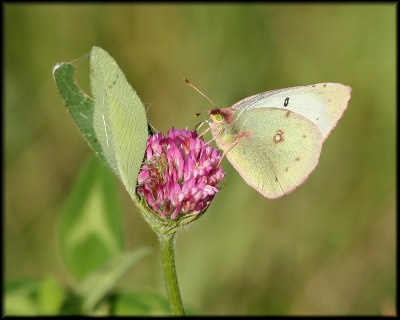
(274, 139)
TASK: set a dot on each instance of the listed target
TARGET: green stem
(171, 281)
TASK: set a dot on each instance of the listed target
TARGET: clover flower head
(180, 174)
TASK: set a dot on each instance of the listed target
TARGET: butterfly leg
(198, 126)
(204, 132)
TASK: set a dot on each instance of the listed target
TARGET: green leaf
(99, 283)
(114, 123)
(79, 105)
(90, 224)
(140, 304)
(119, 118)
(33, 297)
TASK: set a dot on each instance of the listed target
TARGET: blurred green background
(327, 248)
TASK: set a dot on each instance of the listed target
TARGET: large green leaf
(114, 123)
(119, 118)
(90, 224)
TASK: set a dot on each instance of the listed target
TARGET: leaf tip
(96, 50)
(57, 66)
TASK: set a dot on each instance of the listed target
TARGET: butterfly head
(219, 115)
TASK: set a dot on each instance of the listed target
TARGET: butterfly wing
(277, 152)
(323, 103)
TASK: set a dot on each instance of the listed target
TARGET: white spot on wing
(279, 136)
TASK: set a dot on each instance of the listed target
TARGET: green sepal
(162, 226)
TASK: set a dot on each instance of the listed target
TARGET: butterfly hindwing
(277, 152)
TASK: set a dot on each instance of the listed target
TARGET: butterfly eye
(218, 117)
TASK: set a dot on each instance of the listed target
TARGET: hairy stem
(170, 278)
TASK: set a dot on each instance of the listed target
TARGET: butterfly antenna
(190, 84)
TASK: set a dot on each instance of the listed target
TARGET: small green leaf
(140, 304)
(33, 297)
(119, 118)
(99, 283)
(91, 222)
(21, 297)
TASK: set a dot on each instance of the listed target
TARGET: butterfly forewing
(323, 103)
